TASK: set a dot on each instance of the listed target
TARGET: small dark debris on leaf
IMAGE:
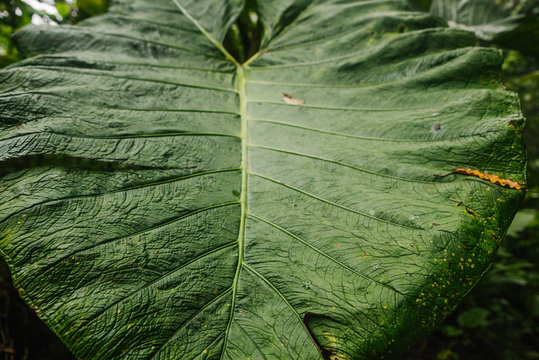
(460, 203)
(435, 224)
(287, 98)
(470, 212)
(518, 124)
(444, 175)
(492, 235)
(437, 127)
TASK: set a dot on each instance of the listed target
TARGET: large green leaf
(161, 201)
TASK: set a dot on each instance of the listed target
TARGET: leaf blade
(346, 240)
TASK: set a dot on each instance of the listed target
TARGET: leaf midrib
(244, 136)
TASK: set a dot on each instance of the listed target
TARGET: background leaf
(473, 318)
(511, 24)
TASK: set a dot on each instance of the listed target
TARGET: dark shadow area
(243, 38)
(23, 336)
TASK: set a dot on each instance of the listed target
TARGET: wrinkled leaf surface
(161, 201)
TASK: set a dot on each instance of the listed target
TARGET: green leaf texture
(487, 18)
(161, 201)
(511, 24)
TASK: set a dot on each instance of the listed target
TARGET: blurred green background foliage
(15, 14)
(498, 320)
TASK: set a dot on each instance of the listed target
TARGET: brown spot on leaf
(495, 179)
(287, 98)
(492, 178)
(469, 211)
